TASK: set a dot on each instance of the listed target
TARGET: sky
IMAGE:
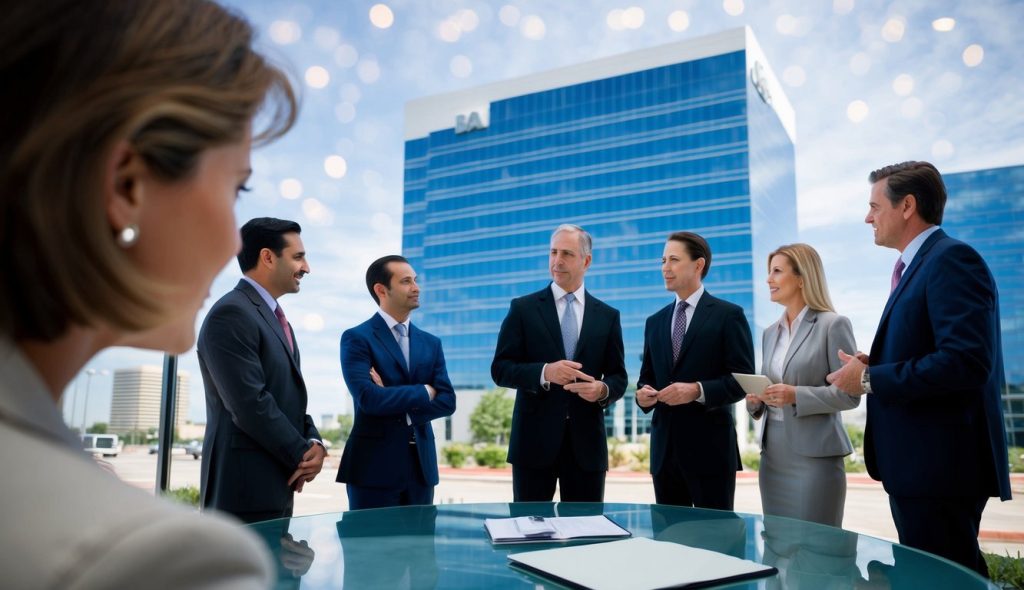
(871, 82)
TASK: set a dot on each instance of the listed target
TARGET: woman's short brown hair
(173, 79)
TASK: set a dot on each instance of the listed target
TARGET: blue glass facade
(631, 158)
(986, 209)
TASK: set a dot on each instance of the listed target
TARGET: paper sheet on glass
(564, 528)
(651, 565)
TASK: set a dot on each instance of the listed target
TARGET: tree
(491, 420)
(98, 428)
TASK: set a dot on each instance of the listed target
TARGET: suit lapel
(271, 320)
(549, 317)
(387, 340)
(802, 332)
(416, 351)
(771, 340)
(705, 307)
(919, 259)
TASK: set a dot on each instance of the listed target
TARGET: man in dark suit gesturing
(260, 443)
(399, 382)
(561, 348)
(934, 434)
(691, 348)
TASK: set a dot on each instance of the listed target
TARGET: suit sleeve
(443, 403)
(374, 400)
(828, 399)
(646, 366)
(960, 304)
(510, 367)
(615, 362)
(738, 357)
(232, 357)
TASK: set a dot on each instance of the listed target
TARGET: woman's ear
(122, 187)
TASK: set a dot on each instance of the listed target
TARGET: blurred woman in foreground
(802, 438)
(124, 141)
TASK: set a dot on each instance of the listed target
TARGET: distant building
(986, 209)
(328, 421)
(135, 402)
(695, 135)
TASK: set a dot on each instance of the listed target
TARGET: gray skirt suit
(802, 474)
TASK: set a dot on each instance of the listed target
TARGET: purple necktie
(897, 272)
(284, 326)
(678, 329)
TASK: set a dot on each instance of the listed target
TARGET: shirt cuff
(315, 441)
(544, 382)
(701, 399)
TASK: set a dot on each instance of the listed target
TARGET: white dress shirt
(778, 361)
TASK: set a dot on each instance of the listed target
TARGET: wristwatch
(865, 380)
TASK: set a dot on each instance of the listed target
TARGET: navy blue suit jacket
(257, 428)
(377, 451)
(531, 336)
(717, 344)
(934, 421)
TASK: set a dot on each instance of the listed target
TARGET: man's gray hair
(586, 242)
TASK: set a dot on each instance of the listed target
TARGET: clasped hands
(568, 375)
(776, 395)
(675, 394)
(311, 464)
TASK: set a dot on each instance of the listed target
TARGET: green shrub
(188, 495)
(617, 456)
(1016, 456)
(456, 454)
(1006, 571)
(751, 460)
(854, 465)
(643, 458)
(856, 436)
(492, 456)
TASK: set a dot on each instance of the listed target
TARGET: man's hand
(754, 403)
(677, 394)
(646, 396)
(847, 378)
(375, 377)
(592, 391)
(563, 372)
(296, 556)
(311, 464)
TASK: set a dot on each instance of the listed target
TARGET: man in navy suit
(934, 434)
(691, 348)
(561, 348)
(260, 443)
(399, 382)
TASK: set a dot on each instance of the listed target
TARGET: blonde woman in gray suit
(803, 441)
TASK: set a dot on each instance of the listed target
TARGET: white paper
(651, 565)
(565, 528)
(752, 384)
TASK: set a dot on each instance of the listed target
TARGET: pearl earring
(127, 237)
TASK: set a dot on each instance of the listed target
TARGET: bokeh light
(381, 16)
(857, 111)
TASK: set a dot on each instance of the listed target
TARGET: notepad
(638, 564)
(536, 529)
(752, 384)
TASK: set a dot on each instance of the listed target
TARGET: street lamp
(74, 404)
(88, 381)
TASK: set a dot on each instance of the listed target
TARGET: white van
(108, 445)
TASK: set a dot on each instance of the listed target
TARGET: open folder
(638, 564)
(537, 529)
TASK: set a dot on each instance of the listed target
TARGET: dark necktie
(897, 273)
(285, 327)
(679, 329)
(570, 329)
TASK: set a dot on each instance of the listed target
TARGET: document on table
(752, 384)
(652, 564)
(535, 529)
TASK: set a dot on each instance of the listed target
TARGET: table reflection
(446, 547)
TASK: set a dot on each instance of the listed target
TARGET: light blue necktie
(403, 342)
(570, 327)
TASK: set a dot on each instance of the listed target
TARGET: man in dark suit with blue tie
(260, 444)
(399, 383)
(934, 434)
(561, 349)
(691, 348)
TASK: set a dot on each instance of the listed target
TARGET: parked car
(108, 445)
(194, 448)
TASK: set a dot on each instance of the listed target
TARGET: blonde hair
(173, 79)
(807, 264)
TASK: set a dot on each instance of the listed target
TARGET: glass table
(446, 547)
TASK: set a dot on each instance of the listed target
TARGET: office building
(135, 402)
(695, 135)
(986, 209)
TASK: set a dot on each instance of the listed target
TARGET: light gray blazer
(814, 427)
(69, 524)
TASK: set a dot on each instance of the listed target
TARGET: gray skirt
(794, 486)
